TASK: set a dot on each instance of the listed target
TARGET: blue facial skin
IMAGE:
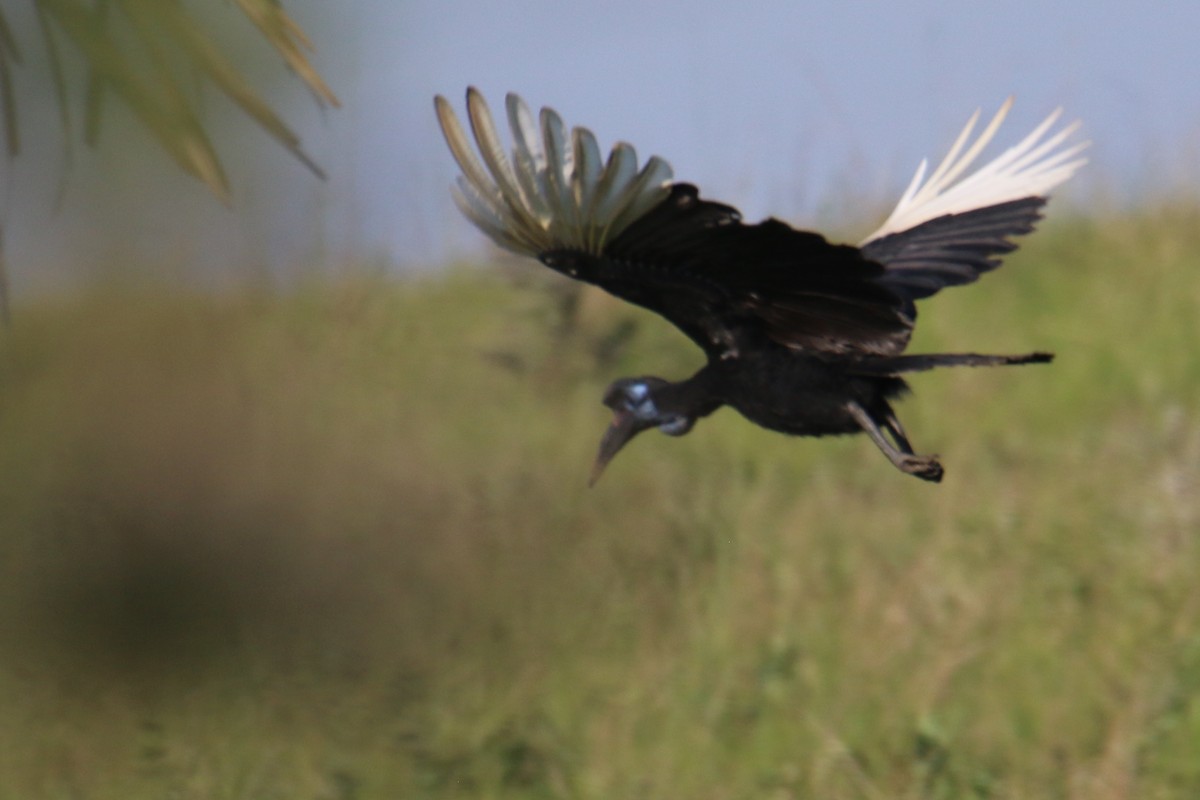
(676, 426)
(635, 410)
(639, 403)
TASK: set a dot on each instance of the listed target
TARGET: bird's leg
(893, 426)
(924, 467)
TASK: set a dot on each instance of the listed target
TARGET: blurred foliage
(337, 543)
(154, 55)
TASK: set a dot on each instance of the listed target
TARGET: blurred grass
(337, 543)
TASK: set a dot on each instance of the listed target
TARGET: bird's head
(637, 405)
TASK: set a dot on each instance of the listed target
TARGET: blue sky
(815, 113)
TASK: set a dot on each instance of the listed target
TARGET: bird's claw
(927, 468)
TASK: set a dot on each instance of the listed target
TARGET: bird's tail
(892, 365)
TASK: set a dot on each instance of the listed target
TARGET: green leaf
(164, 113)
(286, 36)
(9, 56)
(173, 24)
(145, 71)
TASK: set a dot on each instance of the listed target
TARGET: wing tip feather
(1033, 167)
(553, 193)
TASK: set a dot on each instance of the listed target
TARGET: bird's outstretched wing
(727, 284)
(722, 282)
(946, 231)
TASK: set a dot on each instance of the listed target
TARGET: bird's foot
(927, 468)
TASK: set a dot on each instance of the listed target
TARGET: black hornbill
(802, 336)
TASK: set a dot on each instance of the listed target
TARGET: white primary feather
(555, 192)
(1029, 169)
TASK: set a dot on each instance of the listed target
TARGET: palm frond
(58, 77)
(140, 52)
(282, 32)
(9, 57)
(163, 109)
(171, 22)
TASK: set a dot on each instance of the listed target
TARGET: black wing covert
(725, 283)
(953, 249)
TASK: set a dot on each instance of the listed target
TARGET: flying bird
(802, 336)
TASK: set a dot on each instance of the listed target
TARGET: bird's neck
(695, 397)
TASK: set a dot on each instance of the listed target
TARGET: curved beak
(623, 428)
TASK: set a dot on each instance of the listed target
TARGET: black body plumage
(802, 336)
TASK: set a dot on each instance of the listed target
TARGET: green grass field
(336, 543)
